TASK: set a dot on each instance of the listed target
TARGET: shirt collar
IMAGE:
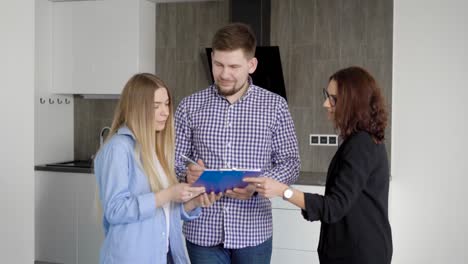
(250, 89)
(124, 130)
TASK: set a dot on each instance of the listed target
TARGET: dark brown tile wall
(184, 30)
(316, 38)
(91, 115)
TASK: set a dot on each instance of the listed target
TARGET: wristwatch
(287, 194)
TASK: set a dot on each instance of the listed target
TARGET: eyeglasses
(331, 98)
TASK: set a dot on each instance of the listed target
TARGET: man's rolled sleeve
(183, 141)
(285, 156)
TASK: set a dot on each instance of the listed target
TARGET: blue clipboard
(225, 179)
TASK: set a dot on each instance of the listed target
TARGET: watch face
(288, 193)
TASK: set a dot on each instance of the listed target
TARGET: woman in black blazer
(354, 210)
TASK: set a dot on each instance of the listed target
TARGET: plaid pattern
(257, 131)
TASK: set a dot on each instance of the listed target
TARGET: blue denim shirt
(134, 229)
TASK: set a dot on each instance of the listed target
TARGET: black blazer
(354, 210)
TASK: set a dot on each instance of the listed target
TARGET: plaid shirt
(257, 131)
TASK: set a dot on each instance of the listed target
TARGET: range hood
(257, 14)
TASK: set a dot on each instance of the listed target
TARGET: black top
(354, 210)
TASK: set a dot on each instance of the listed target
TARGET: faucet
(101, 135)
(101, 141)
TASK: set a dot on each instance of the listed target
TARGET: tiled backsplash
(91, 115)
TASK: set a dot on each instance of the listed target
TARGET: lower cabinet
(88, 221)
(69, 231)
(295, 240)
(67, 226)
(281, 256)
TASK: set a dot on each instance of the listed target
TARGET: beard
(230, 90)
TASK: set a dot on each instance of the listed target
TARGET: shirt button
(163, 233)
(228, 165)
(228, 144)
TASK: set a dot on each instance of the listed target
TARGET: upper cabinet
(99, 45)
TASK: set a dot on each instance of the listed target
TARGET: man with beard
(235, 124)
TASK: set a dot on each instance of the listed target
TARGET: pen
(191, 161)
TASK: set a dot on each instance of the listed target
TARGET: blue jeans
(260, 254)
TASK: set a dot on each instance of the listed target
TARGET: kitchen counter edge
(305, 177)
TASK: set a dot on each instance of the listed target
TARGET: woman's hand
(203, 200)
(183, 192)
(267, 187)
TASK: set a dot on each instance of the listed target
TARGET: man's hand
(241, 193)
(194, 171)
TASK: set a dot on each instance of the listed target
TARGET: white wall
(429, 191)
(17, 131)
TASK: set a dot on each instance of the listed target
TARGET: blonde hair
(136, 110)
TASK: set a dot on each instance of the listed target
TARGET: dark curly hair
(360, 105)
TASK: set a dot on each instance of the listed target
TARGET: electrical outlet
(313, 139)
(323, 140)
(333, 140)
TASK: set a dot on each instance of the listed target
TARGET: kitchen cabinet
(89, 236)
(282, 256)
(295, 240)
(54, 217)
(67, 225)
(98, 45)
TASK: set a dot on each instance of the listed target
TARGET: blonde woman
(141, 199)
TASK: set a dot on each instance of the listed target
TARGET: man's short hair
(235, 36)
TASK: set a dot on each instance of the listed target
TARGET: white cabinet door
(89, 235)
(74, 46)
(289, 256)
(292, 231)
(295, 239)
(54, 217)
(68, 228)
(116, 45)
(98, 45)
